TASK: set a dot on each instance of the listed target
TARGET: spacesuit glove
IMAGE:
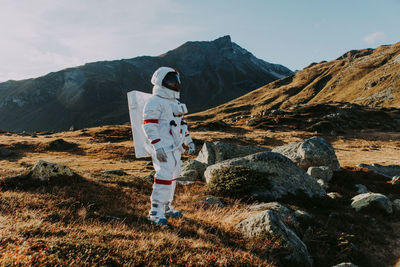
(161, 155)
(192, 148)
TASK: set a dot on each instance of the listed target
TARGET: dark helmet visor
(172, 81)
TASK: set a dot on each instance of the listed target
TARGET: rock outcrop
(309, 153)
(268, 222)
(44, 171)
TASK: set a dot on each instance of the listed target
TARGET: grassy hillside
(99, 219)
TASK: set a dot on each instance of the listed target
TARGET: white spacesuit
(166, 131)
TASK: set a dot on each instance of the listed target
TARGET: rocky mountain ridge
(95, 94)
(369, 78)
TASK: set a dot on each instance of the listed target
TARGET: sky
(42, 36)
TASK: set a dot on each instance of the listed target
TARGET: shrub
(237, 181)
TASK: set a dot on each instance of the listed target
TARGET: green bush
(237, 181)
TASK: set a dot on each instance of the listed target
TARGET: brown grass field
(100, 220)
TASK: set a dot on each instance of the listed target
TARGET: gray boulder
(212, 153)
(281, 173)
(387, 171)
(363, 201)
(311, 152)
(283, 212)
(192, 170)
(44, 171)
(268, 222)
(321, 172)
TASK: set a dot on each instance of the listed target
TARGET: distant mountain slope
(368, 77)
(95, 94)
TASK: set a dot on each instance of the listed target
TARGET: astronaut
(166, 131)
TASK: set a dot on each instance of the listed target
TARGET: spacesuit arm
(185, 130)
(151, 117)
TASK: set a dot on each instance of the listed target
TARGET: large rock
(215, 152)
(44, 171)
(387, 171)
(284, 213)
(268, 222)
(311, 152)
(192, 170)
(366, 200)
(283, 176)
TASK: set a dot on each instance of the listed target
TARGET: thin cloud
(45, 35)
(374, 37)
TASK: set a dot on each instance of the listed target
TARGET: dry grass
(100, 219)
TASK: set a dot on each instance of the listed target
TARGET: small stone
(396, 205)
(361, 189)
(334, 195)
(150, 177)
(211, 200)
(365, 200)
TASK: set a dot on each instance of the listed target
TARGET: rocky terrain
(309, 203)
(369, 78)
(304, 171)
(95, 94)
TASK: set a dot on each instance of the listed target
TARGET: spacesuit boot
(157, 214)
(170, 212)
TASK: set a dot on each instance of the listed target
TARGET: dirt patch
(114, 135)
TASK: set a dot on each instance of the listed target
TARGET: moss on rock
(237, 181)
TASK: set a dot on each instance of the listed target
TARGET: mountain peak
(223, 41)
